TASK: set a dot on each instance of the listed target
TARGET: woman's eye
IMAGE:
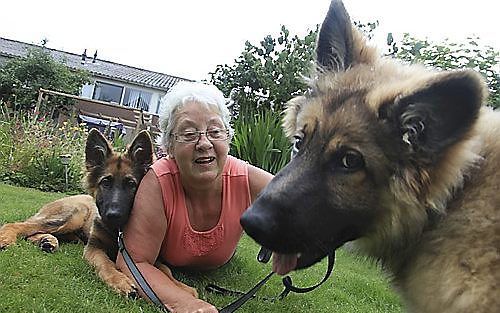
(352, 160)
(189, 135)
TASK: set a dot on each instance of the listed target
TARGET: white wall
(88, 90)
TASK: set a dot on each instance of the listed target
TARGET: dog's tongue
(284, 263)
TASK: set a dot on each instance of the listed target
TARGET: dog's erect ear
(140, 150)
(97, 149)
(438, 114)
(340, 45)
(334, 47)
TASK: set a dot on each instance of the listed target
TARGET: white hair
(182, 93)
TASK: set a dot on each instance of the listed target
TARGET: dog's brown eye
(106, 182)
(130, 183)
(352, 160)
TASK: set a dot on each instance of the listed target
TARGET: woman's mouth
(204, 160)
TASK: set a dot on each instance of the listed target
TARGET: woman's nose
(203, 142)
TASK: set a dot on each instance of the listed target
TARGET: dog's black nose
(249, 221)
(114, 216)
(257, 224)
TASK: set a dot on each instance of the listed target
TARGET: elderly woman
(187, 207)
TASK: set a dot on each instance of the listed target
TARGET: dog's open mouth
(311, 252)
(284, 263)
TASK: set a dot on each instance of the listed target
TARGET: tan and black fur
(112, 179)
(66, 219)
(402, 160)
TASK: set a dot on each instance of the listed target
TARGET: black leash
(149, 292)
(288, 283)
(146, 288)
(263, 257)
(247, 296)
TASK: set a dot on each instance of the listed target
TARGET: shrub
(30, 151)
(22, 78)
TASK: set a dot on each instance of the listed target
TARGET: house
(118, 93)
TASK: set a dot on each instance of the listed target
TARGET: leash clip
(264, 255)
(121, 245)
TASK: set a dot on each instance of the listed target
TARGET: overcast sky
(188, 38)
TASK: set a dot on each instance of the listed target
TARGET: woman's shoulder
(235, 167)
(164, 166)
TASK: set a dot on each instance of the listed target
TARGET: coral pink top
(185, 247)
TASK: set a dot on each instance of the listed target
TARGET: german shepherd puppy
(112, 179)
(400, 159)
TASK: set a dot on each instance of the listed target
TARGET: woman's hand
(192, 305)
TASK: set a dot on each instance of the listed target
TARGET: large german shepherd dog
(112, 179)
(400, 159)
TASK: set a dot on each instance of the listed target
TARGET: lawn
(34, 281)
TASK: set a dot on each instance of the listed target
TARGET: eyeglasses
(194, 136)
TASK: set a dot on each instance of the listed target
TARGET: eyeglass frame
(199, 133)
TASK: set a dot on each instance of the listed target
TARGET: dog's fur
(401, 159)
(112, 179)
(66, 219)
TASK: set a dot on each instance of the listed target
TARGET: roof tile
(103, 68)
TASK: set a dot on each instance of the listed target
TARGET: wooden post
(38, 103)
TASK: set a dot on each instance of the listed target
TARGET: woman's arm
(143, 238)
(257, 179)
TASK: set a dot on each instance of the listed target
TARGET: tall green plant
(259, 139)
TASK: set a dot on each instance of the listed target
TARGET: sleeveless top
(185, 247)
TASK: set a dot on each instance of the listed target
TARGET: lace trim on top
(202, 243)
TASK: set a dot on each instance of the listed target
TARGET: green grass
(34, 281)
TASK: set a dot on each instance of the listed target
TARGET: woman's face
(201, 162)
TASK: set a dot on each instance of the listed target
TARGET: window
(137, 99)
(158, 105)
(107, 92)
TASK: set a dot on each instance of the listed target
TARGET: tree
(266, 76)
(260, 82)
(448, 55)
(22, 78)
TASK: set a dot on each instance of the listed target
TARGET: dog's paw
(49, 244)
(123, 285)
(134, 294)
(6, 240)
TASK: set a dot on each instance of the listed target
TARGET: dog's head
(113, 177)
(375, 146)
